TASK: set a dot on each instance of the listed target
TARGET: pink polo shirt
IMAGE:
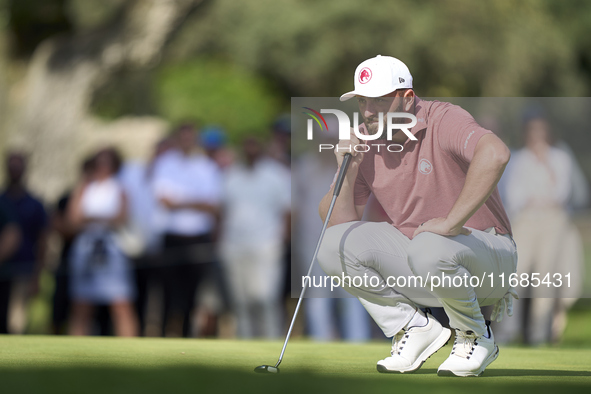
(424, 180)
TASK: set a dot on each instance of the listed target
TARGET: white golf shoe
(470, 354)
(412, 347)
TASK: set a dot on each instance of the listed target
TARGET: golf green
(38, 364)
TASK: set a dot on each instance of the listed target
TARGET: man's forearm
(344, 209)
(10, 238)
(195, 206)
(201, 206)
(484, 173)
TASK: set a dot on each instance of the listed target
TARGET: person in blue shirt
(23, 267)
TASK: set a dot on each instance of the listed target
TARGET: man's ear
(409, 100)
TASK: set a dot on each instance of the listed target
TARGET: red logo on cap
(365, 75)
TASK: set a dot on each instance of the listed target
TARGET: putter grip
(342, 172)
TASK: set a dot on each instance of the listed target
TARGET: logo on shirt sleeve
(425, 166)
(468, 139)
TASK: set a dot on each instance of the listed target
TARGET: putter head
(266, 369)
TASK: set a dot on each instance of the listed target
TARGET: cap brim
(348, 96)
(354, 93)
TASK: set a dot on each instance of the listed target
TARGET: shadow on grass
(534, 372)
(514, 372)
(199, 379)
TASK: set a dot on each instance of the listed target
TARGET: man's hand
(168, 203)
(195, 206)
(343, 148)
(441, 226)
(344, 209)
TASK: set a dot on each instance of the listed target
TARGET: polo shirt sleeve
(458, 133)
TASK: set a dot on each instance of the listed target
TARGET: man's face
(252, 149)
(537, 133)
(186, 138)
(370, 108)
(16, 167)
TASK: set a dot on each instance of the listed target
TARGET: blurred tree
(64, 72)
(453, 47)
(218, 92)
(31, 22)
(90, 14)
(574, 19)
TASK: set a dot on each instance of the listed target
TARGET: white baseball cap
(379, 76)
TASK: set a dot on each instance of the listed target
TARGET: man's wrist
(349, 181)
(351, 172)
(453, 224)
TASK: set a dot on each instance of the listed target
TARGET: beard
(372, 124)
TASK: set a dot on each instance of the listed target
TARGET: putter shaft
(337, 190)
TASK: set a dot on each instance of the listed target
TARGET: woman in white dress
(539, 190)
(100, 272)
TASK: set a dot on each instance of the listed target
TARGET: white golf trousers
(383, 259)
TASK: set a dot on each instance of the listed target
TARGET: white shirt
(187, 179)
(312, 175)
(147, 218)
(102, 199)
(256, 201)
(532, 182)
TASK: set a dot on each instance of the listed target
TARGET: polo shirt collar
(421, 114)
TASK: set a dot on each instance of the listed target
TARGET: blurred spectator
(255, 219)
(67, 232)
(280, 149)
(579, 196)
(10, 238)
(539, 187)
(330, 314)
(214, 295)
(25, 264)
(101, 273)
(187, 184)
(146, 218)
(280, 145)
(145, 227)
(213, 140)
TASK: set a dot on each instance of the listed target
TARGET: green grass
(578, 328)
(38, 364)
(63, 365)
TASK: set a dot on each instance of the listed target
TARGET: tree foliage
(453, 47)
(216, 92)
(310, 48)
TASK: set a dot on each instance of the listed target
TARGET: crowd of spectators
(163, 247)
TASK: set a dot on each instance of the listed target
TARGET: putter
(337, 190)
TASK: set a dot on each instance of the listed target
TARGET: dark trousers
(187, 260)
(61, 301)
(148, 275)
(5, 287)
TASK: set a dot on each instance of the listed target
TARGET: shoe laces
(464, 344)
(398, 342)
